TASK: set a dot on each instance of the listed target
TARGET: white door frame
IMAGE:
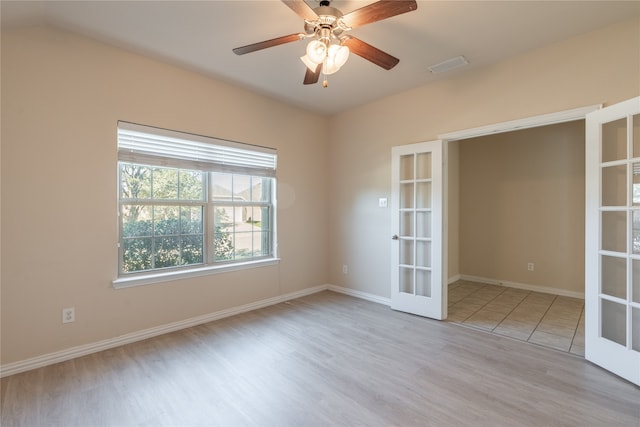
(519, 124)
(512, 125)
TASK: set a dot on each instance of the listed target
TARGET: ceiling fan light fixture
(336, 57)
(329, 67)
(338, 54)
(316, 51)
(308, 62)
(329, 48)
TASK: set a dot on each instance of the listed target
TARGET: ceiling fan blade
(378, 11)
(302, 9)
(311, 77)
(267, 43)
(370, 53)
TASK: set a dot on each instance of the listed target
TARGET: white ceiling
(199, 35)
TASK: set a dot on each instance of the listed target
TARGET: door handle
(394, 237)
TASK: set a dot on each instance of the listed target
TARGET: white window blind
(162, 147)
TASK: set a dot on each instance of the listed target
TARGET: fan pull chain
(325, 82)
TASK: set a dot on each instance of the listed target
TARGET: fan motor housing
(328, 13)
(328, 17)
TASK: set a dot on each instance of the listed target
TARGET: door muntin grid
(416, 216)
(619, 255)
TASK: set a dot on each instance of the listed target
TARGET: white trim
(518, 124)
(359, 294)
(525, 286)
(444, 244)
(83, 350)
(453, 279)
(168, 276)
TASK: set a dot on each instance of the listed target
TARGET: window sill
(148, 279)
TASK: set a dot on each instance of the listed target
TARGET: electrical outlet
(530, 266)
(68, 315)
(345, 269)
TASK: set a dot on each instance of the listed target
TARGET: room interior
(64, 88)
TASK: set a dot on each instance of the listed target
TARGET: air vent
(449, 64)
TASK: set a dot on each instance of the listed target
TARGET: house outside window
(188, 202)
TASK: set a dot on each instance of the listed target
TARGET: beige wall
(598, 67)
(62, 96)
(522, 201)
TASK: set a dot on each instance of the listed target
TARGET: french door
(612, 239)
(417, 210)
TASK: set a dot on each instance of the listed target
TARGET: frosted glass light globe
(340, 54)
(336, 58)
(316, 51)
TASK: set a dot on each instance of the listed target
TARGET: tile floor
(544, 319)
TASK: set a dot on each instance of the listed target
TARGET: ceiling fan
(331, 44)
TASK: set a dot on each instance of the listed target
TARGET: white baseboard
(525, 286)
(453, 279)
(359, 294)
(83, 350)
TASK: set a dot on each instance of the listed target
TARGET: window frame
(209, 264)
(218, 203)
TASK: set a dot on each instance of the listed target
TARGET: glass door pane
(635, 328)
(636, 135)
(406, 224)
(423, 283)
(423, 166)
(635, 281)
(614, 140)
(614, 231)
(406, 195)
(614, 322)
(423, 254)
(423, 195)
(406, 280)
(406, 167)
(614, 185)
(614, 276)
(635, 190)
(635, 232)
(406, 252)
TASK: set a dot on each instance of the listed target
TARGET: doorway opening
(515, 256)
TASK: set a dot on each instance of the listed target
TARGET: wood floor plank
(325, 359)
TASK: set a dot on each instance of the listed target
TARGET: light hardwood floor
(325, 359)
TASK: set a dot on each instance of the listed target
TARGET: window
(188, 202)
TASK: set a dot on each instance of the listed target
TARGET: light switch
(382, 202)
